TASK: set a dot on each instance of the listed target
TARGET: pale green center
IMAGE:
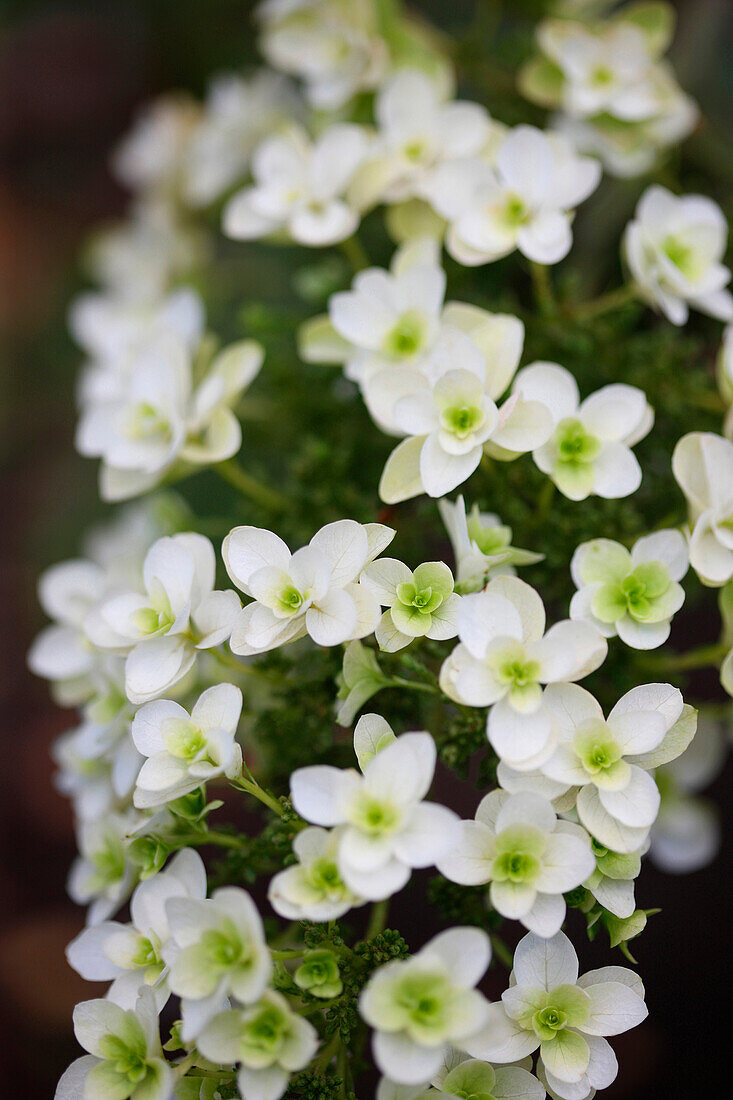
(223, 948)
(424, 600)
(514, 212)
(575, 446)
(323, 875)
(375, 816)
(128, 1061)
(462, 420)
(183, 739)
(424, 1002)
(637, 594)
(596, 748)
(108, 862)
(289, 599)
(147, 423)
(681, 253)
(517, 854)
(407, 336)
(263, 1035)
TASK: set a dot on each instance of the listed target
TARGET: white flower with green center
(530, 858)
(300, 187)
(312, 889)
(481, 543)
(469, 1079)
(103, 876)
(313, 591)
(61, 652)
(549, 1007)
(418, 130)
(419, 1006)
(184, 751)
(702, 464)
(319, 974)
(447, 410)
(589, 451)
(216, 948)
(125, 1058)
(334, 46)
(632, 594)
(505, 658)
(268, 1040)
(609, 759)
(388, 828)
(419, 605)
(162, 628)
(130, 955)
(150, 157)
(674, 247)
(522, 198)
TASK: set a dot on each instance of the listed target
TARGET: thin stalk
(377, 919)
(415, 685)
(605, 303)
(250, 487)
(251, 786)
(355, 253)
(543, 291)
(706, 656)
(502, 952)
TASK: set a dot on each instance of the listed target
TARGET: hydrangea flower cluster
(219, 641)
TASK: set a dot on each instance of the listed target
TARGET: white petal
(465, 952)
(429, 833)
(247, 549)
(544, 964)
(636, 804)
(404, 1061)
(317, 793)
(614, 1008)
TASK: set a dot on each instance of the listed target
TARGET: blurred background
(72, 75)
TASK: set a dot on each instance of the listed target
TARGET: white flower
(150, 416)
(418, 1006)
(530, 858)
(130, 955)
(312, 591)
(237, 114)
(333, 45)
(631, 594)
(388, 828)
(300, 187)
(386, 318)
(419, 604)
(674, 247)
(448, 412)
(103, 874)
(269, 1040)
(162, 628)
(505, 657)
(612, 881)
(186, 751)
(463, 1076)
(313, 888)
(609, 759)
(216, 947)
(590, 448)
(481, 544)
(702, 463)
(524, 199)
(550, 1007)
(419, 129)
(62, 652)
(151, 156)
(125, 1057)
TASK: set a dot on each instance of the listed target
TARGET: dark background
(71, 77)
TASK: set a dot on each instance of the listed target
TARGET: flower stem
(251, 786)
(355, 253)
(543, 292)
(377, 919)
(416, 685)
(502, 952)
(250, 487)
(613, 299)
(705, 656)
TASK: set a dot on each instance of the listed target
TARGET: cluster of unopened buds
(156, 655)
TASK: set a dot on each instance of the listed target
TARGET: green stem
(543, 292)
(502, 952)
(377, 919)
(286, 954)
(355, 253)
(704, 657)
(415, 685)
(211, 836)
(250, 487)
(326, 1055)
(613, 299)
(229, 661)
(251, 786)
(182, 1067)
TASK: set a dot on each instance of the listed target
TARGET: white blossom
(312, 889)
(549, 1007)
(448, 412)
(589, 451)
(522, 198)
(300, 187)
(184, 751)
(125, 1057)
(151, 157)
(268, 1040)
(674, 247)
(481, 544)
(530, 858)
(389, 829)
(702, 464)
(633, 594)
(313, 591)
(463, 1076)
(419, 604)
(505, 657)
(103, 876)
(130, 955)
(418, 1006)
(215, 948)
(162, 628)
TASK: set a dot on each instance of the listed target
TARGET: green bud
(319, 974)
(149, 853)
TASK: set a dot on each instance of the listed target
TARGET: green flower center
(223, 948)
(514, 212)
(602, 76)
(289, 599)
(425, 1000)
(323, 875)
(151, 620)
(518, 673)
(574, 444)
(407, 336)
(109, 863)
(375, 816)
(424, 600)
(682, 255)
(596, 748)
(147, 423)
(264, 1033)
(182, 739)
(550, 1019)
(128, 1062)
(462, 420)
(518, 852)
